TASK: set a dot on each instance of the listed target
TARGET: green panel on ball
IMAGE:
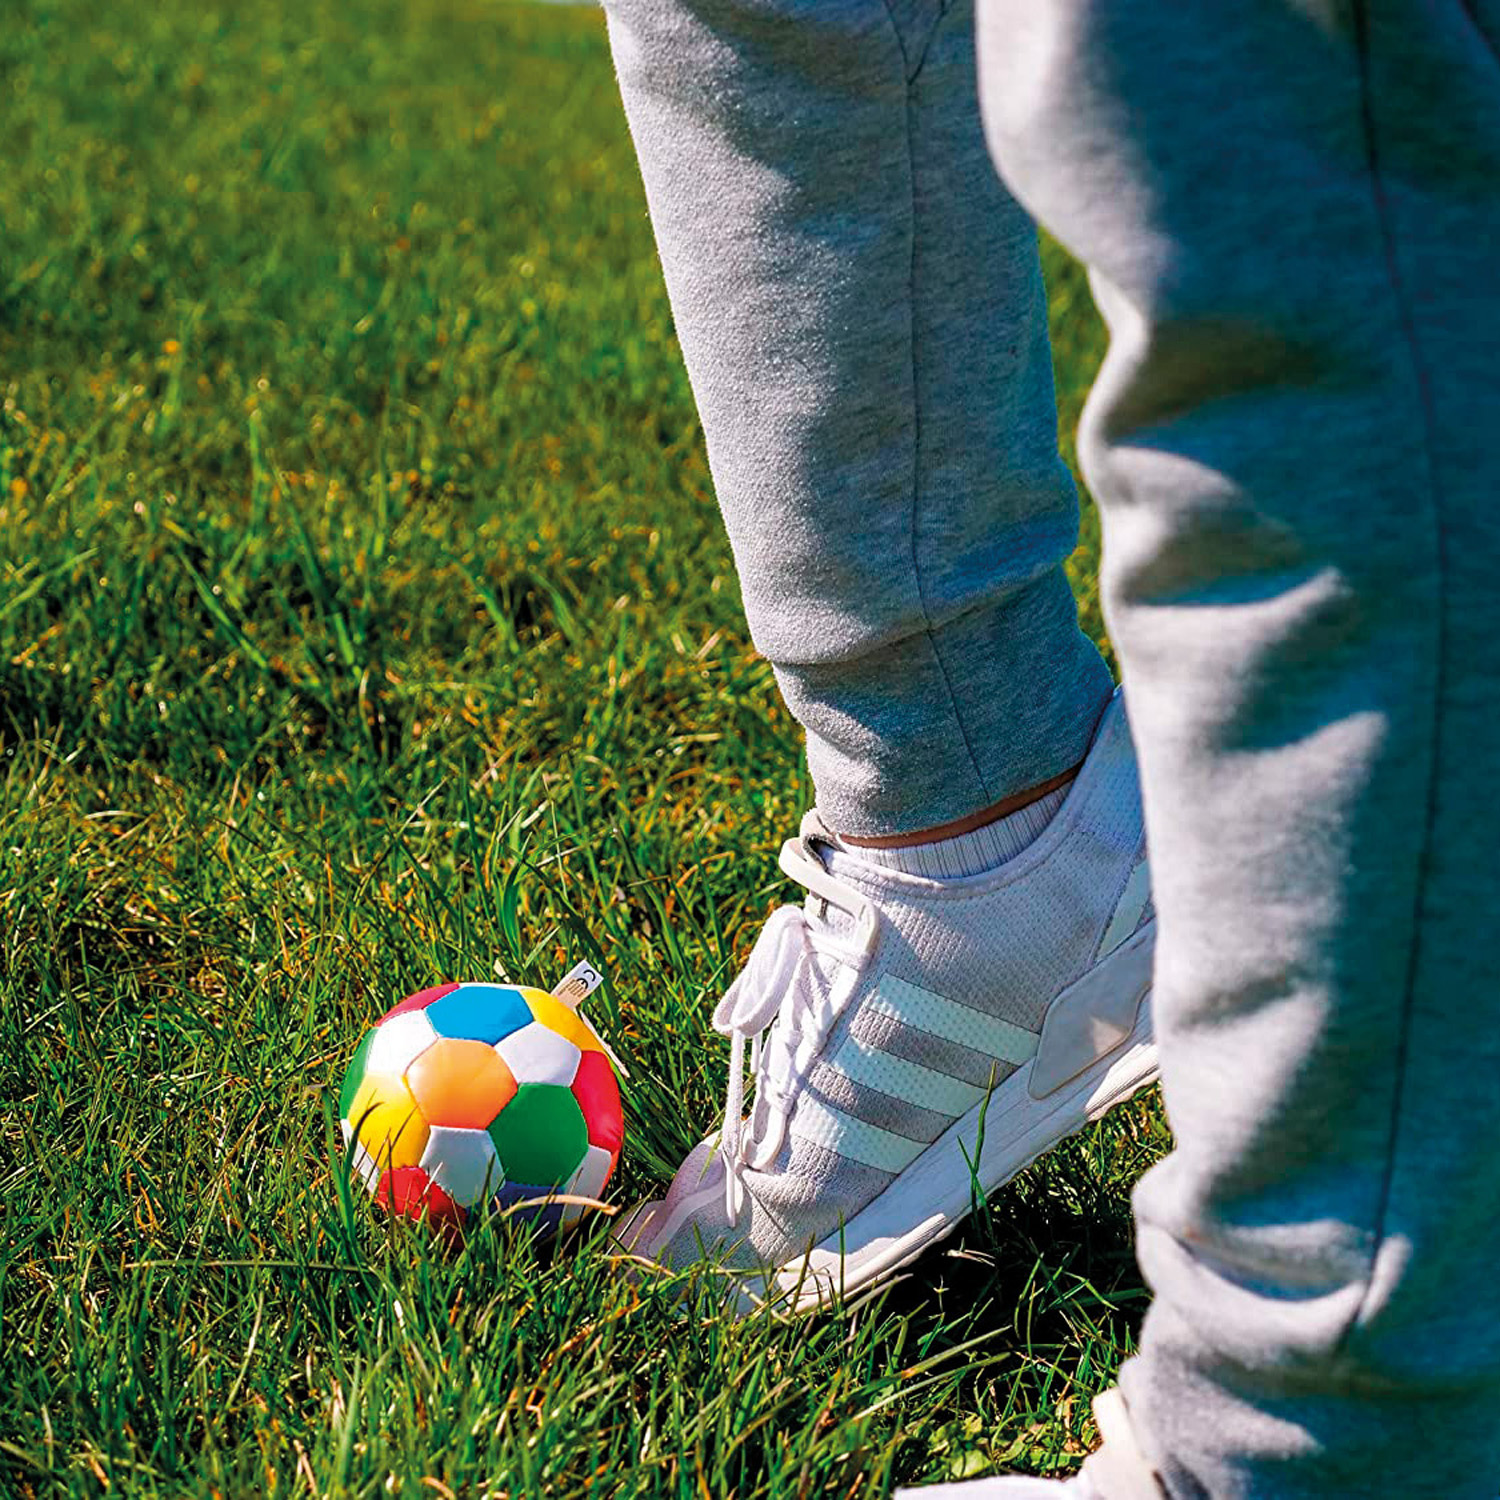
(354, 1074)
(540, 1136)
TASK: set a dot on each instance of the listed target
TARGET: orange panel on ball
(461, 1084)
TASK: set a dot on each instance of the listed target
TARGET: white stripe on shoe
(1128, 909)
(856, 1139)
(872, 1067)
(953, 1022)
(907, 1081)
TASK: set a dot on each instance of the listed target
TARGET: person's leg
(1292, 214)
(859, 303)
(860, 306)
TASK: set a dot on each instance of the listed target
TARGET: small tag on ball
(577, 984)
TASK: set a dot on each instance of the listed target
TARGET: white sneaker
(916, 1042)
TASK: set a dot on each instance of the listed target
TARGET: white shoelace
(782, 988)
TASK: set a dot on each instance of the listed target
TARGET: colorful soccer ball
(474, 1095)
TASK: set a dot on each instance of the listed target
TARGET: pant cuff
(931, 728)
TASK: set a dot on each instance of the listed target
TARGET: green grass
(365, 620)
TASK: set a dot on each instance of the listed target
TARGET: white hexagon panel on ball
(587, 1182)
(537, 1054)
(398, 1043)
(463, 1163)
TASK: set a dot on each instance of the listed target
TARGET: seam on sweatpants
(914, 54)
(928, 627)
(1419, 375)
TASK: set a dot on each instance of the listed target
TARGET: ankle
(994, 813)
(981, 847)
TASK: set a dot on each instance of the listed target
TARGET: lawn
(366, 621)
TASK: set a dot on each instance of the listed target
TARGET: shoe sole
(1013, 1130)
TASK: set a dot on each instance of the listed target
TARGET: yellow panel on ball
(460, 1084)
(387, 1122)
(562, 1019)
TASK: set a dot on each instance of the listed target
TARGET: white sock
(969, 853)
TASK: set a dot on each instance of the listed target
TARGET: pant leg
(1292, 216)
(860, 306)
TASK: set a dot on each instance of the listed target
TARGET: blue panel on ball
(479, 1013)
(547, 1216)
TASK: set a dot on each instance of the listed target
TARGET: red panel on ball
(598, 1096)
(420, 1000)
(410, 1193)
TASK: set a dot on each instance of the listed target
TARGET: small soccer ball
(474, 1095)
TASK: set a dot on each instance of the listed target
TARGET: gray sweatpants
(1291, 210)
